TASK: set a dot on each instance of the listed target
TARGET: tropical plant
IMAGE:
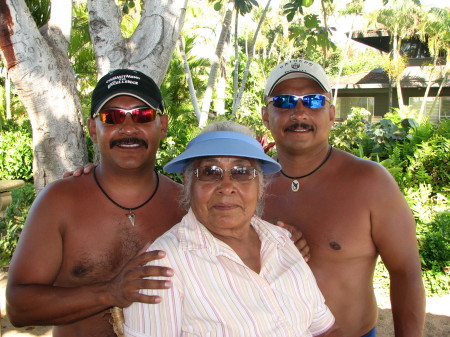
(435, 29)
(402, 18)
(13, 219)
(16, 152)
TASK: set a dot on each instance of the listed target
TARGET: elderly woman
(235, 274)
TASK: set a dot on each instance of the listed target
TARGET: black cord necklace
(130, 215)
(295, 185)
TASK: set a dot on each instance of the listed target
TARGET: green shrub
(435, 242)
(13, 219)
(16, 151)
(351, 135)
(436, 282)
(431, 162)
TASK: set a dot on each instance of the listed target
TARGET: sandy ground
(437, 320)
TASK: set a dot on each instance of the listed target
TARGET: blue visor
(223, 143)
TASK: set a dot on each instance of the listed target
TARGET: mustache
(126, 141)
(294, 126)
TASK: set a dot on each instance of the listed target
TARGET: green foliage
(436, 282)
(182, 128)
(350, 135)
(431, 163)
(81, 54)
(434, 238)
(366, 61)
(313, 34)
(127, 5)
(386, 135)
(12, 222)
(16, 151)
(40, 11)
(245, 6)
(293, 7)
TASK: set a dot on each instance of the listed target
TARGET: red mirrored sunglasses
(117, 115)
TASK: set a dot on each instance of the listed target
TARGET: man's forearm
(49, 305)
(408, 305)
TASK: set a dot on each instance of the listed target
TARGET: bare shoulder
(361, 169)
(66, 190)
(170, 199)
(169, 185)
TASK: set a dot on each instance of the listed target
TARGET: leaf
(312, 21)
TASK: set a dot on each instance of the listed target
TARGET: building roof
(413, 77)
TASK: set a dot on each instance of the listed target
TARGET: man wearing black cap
(71, 263)
(350, 210)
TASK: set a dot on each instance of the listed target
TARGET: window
(344, 106)
(440, 110)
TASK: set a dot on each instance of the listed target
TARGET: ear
(332, 114)
(92, 127)
(265, 116)
(164, 122)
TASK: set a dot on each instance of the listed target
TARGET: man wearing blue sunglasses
(350, 210)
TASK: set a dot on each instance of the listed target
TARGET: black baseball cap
(126, 82)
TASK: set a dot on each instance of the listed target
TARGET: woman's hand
(86, 169)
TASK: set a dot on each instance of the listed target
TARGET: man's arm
(394, 234)
(42, 304)
(32, 299)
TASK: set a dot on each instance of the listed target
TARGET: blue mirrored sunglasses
(312, 101)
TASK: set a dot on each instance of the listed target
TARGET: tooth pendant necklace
(130, 215)
(295, 185)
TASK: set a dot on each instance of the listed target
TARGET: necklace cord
(317, 168)
(118, 205)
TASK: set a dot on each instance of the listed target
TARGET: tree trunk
(249, 60)
(398, 72)
(215, 62)
(236, 57)
(344, 58)
(436, 98)
(427, 90)
(8, 96)
(325, 22)
(38, 65)
(187, 71)
(151, 46)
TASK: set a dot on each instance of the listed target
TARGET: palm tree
(402, 18)
(436, 31)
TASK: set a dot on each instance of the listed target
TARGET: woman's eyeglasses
(117, 115)
(215, 173)
(313, 101)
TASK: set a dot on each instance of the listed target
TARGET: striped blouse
(215, 294)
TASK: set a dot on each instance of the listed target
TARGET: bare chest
(335, 223)
(98, 242)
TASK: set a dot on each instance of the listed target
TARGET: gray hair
(228, 126)
(188, 173)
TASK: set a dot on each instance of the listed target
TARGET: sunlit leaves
(40, 10)
(311, 33)
(127, 5)
(294, 7)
